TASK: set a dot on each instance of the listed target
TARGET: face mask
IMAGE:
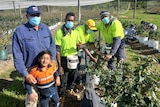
(106, 20)
(69, 24)
(34, 21)
(89, 31)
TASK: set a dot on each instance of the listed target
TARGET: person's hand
(61, 70)
(58, 82)
(33, 97)
(95, 60)
(108, 57)
(122, 60)
(30, 79)
(81, 46)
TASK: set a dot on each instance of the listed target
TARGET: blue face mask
(106, 20)
(69, 24)
(34, 21)
(89, 31)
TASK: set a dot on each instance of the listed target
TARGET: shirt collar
(30, 27)
(40, 68)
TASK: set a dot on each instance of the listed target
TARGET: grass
(12, 92)
(140, 15)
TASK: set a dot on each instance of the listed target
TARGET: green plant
(125, 23)
(4, 40)
(155, 35)
(140, 30)
(138, 88)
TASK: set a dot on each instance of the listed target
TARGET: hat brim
(31, 13)
(92, 27)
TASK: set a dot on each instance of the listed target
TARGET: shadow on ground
(11, 91)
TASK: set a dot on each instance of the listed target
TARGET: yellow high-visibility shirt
(111, 31)
(85, 37)
(68, 43)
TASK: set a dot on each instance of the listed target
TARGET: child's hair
(44, 52)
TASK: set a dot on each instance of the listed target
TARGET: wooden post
(48, 9)
(14, 7)
(79, 12)
(135, 5)
(19, 10)
(118, 7)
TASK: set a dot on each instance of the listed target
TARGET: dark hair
(104, 13)
(69, 14)
(132, 25)
(44, 52)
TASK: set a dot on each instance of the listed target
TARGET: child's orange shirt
(44, 77)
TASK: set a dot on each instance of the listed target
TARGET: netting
(16, 4)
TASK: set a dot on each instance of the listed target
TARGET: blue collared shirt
(27, 43)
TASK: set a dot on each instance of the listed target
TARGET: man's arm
(52, 47)
(18, 55)
(116, 44)
(58, 57)
(90, 55)
(93, 47)
(18, 59)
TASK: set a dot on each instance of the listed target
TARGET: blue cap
(33, 10)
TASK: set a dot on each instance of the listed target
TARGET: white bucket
(72, 62)
(92, 79)
(114, 105)
(155, 44)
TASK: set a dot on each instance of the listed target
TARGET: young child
(47, 79)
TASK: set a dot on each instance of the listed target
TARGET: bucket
(92, 79)
(3, 54)
(72, 62)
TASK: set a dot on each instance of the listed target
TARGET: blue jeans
(49, 93)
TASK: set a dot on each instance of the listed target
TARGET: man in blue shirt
(28, 40)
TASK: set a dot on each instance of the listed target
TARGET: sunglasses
(70, 20)
(104, 17)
